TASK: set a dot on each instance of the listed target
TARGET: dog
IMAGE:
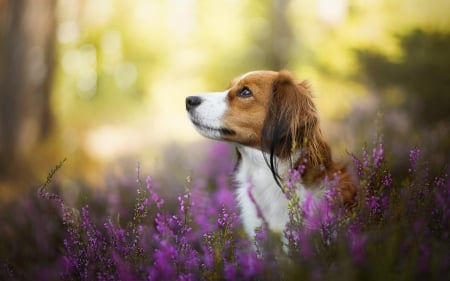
(272, 120)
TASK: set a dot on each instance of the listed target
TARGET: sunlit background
(102, 82)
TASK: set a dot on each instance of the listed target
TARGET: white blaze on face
(207, 116)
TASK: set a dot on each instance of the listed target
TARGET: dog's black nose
(192, 102)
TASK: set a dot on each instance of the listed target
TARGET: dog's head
(267, 110)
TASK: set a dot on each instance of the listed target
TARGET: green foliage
(422, 73)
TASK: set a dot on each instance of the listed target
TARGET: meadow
(397, 230)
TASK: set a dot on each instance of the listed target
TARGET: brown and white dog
(272, 120)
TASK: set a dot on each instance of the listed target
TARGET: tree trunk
(282, 38)
(27, 32)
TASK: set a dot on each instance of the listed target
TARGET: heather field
(397, 230)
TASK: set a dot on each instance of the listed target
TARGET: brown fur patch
(245, 116)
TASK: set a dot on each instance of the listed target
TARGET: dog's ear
(291, 116)
(292, 123)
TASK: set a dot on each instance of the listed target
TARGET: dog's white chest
(258, 190)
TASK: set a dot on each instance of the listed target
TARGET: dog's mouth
(205, 128)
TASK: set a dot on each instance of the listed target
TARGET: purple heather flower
(308, 205)
(365, 158)
(230, 271)
(187, 277)
(163, 266)
(440, 181)
(413, 157)
(191, 258)
(124, 271)
(358, 165)
(251, 265)
(261, 233)
(222, 221)
(182, 203)
(318, 214)
(225, 197)
(153, 195)
(302, 167)
(294, 178)
(212, 167)
(387, 179)
(378, 154)
(373, 203)
(208, 251)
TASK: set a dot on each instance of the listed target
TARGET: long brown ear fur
(292, 124)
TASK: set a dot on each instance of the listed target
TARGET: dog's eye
(244, 93)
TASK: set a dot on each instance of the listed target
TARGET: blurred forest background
(103, 82)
